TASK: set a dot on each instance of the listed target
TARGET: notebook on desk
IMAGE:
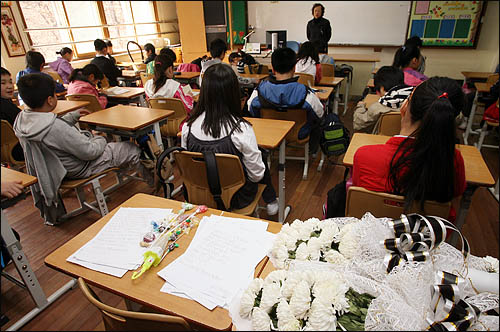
(114, 91)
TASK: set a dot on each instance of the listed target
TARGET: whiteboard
(353, 22)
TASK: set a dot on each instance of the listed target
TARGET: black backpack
(334, 138)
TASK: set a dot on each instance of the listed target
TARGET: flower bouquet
(304, 301)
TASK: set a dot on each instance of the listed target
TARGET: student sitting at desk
(62, 65)
(421, 163)
(234, 59)
(85, 80)
(9, 110)
(282, 90)
(163, 86)
(408, 59)
(308, 61)
(109, 51)
(389, 85)
(150, 52)
(417, 42)
(150, 67)
(106, 65)
(56, 149)
(217, 125)
(34, 64)
(218, 49)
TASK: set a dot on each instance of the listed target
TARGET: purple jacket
(62, 67)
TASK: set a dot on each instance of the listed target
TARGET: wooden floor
(73, 312)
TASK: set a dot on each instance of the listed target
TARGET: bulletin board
(446, 23)
(239, 21)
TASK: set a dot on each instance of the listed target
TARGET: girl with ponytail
(162, 85)
(62, 65)
(84, 81)
(408, 59)
(421, 163)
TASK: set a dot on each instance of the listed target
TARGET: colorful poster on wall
(445, 23)
(10, 34)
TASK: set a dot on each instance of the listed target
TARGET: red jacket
(371, 167)
(82, 87)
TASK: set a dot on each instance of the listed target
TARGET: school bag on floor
(334, 138)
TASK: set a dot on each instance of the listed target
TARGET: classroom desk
(324, 92)
(146, 290)
(66, 106)
(370, 99)
(481, 87)
(476, 171)
(334, 82)
(270, 134)
(476, 75)
(129, 121)
(258, 76)
(187, 77)
(132, 95)
(368, 57)
(9, 174)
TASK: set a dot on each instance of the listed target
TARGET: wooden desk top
(324, 92)
(270, 132)
(66, 106)
(476, 170)
(370, 57)
(197, 97)
(371, 83)
(482, 87)
(131, 93)
(330, 81)
(258, 76)
(12, 175)
(187, 75)
(476, 74)
(146, 290)
(129, 118)
(61, 94)
(370, 99)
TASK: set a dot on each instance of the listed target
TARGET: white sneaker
(272, 208)
(463, 124)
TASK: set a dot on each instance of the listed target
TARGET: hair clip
(445, 95)
(403, 48)
(158, 63)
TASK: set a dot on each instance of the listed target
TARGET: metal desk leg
(156, 127)
(283, 211)
(346, 97)
(494, 190)
(471, 119)
(336, 99)
(462, 212)
(30, 280)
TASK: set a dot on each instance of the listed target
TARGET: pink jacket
(82, 87)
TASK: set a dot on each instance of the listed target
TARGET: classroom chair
(192, 167)
(123, 320)
(54, 75)
(490, 123)
(388, 124)
(306, 79)
(171, 128)
(145, 77)
(360, 200)
(8, 142)
(299, 116)
(256, 68)
(94, 105)
(327, 70)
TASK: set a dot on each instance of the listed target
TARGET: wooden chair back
(254, 69)
(492, 79)
(389, 124)
(145, 77)
(299, 116)
(327, 70)
(55, 76)
(94, 105)
(173, 122)
(8, 141)
(122, 320)
(194, 176)
(359, 201)
(139, 67)
(306, 79)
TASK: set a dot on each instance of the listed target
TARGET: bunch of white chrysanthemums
(315, 240)
(491, 264)
(303, 300)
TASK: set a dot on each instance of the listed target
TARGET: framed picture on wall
(10, 34)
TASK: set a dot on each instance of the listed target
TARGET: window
(52, 25)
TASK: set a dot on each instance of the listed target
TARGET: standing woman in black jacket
(319, 29)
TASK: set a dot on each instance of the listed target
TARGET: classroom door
(215, 20)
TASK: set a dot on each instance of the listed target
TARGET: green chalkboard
(239, 21)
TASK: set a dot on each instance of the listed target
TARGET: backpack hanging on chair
(334, 138)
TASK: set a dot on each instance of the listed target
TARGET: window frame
(103, 25)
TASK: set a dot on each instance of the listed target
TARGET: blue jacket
(59, 86)
(288, 94)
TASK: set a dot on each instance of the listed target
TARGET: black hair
(317, 44)
(217, 48)
(82, 74)
(220, 101)
(388, 77)
(64, 51)
(415, 41)
(162, 63)
(149, 47)
(168, 52)
(34, 89)
(99, 44)
(234, 55)
(108, 43)
(283, 60)
(404, 55)
(423, 169)
(318, 5)
(4, 71)
(34, 60)
(308, 50)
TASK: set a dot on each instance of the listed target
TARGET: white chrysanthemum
(256, 285)
(286, 319)
(290, 283)
(328, 234)
(305, 231)
(246, 303)
(314, 223)
(291, 325)
(300, 301)
(349, 241)
(296, 224)
(302, 252)
(276, 276)
(332, 291)
(321, 317)
(260, 320)
(334, 257)
(291, 240)
(271, 294)
(492, 264)
(314, 244)
(281, 255)
(310, 276)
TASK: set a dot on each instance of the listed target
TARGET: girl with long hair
(84, 81)
(308, 61)
(409, 59)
